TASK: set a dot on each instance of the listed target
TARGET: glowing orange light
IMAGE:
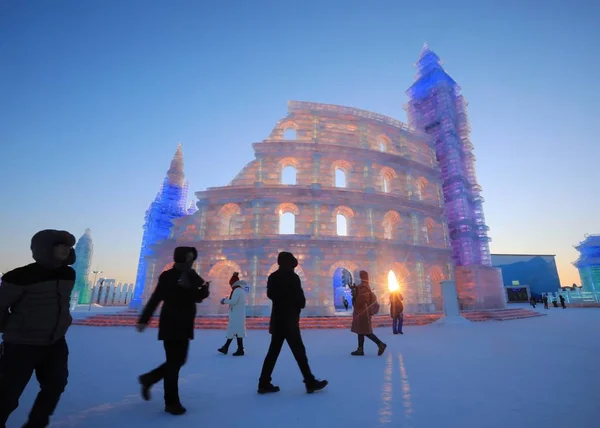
(393, 284)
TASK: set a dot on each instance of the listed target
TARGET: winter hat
(180, 254)
(364, 277)
(43, 243)
(287, 260)
(234, 278)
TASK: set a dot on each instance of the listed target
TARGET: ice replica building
(346, 189)
(588, 263)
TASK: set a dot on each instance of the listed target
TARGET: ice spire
(175, 172)
(427, 62)
(84, 250)
(436, 107)
(169, 204)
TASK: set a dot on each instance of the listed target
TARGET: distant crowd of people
(545, 300)
(35, 317)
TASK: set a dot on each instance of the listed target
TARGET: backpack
(374, 307)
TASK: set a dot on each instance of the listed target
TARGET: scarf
(233, 289)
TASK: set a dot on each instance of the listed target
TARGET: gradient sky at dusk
(96, 94)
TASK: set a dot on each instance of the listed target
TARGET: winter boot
(240, 349)
(381, 347)
(145, 388)
(267, 388)
(315, 385)
(358, 353)
(225, 348)
(175, 409)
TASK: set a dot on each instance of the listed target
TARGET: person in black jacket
(179, 288)
(285, 290)
(35, 317)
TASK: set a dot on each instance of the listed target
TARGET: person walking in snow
(562, 301)
(284, 288)
(532, 302)
(236, 328)
(396, 311)
(545, 301)
(365, 306)
(179, 289)
(35, 317)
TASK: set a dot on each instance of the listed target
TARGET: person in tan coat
(365, 306)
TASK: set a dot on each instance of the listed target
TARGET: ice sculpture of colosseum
(344, 190)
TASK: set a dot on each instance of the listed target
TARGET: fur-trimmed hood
(240, 283)
(43, 243)
(180, 253)
(287, 260)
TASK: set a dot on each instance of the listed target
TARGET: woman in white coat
(237, 318)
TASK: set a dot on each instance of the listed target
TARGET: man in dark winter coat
(179, 288)
(285, 290)
(34, 317)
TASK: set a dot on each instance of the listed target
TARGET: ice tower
(169, 204)
(84, 250)
(588, 263)
(436, 107)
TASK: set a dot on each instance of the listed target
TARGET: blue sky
(95, 95)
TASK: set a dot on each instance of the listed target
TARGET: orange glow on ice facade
(370, 172)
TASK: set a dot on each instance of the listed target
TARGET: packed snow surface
(539, 372)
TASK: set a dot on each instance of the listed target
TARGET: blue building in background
(538, 271)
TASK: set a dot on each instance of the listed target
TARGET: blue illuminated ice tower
(588, 263)
(436, 107)
(169, 204)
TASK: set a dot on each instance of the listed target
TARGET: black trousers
(294, 340)
(361, 340)
(176, 353)
(18, 363)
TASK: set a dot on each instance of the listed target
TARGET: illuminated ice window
(289, 134)
(386, 185)
(288, 175)
(342, 225)
(287, 223)
(340, 178)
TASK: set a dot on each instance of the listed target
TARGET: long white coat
(237, 312)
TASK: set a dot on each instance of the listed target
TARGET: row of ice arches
(287, 213)
(341, 169)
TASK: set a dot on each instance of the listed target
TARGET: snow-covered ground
(541, 372)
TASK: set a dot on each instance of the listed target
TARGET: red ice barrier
(129, 318)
